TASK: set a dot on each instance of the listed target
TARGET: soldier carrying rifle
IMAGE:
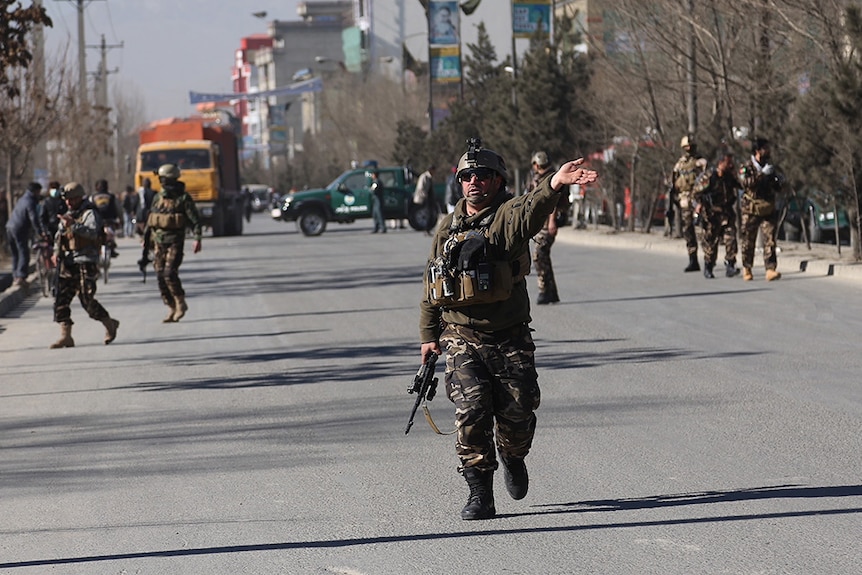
(76, 256)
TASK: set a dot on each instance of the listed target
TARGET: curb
(14, 295)
(811, 263)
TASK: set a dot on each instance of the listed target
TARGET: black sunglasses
(482, 174)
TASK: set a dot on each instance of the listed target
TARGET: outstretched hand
(571, 173)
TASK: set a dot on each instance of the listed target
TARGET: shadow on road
(709, 497)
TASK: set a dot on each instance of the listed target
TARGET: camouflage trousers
(689, 234)
(167, 259)
(544, 270)
(491, 378)
(748, 239)
(78, 279)
(719, 226)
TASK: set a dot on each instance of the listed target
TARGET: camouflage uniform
(685, 172)
(545, 280)
(77, 248)
(168, 239)
(759, 188)
(717, 198)
(490, 368)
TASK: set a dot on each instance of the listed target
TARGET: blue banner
(312, 85)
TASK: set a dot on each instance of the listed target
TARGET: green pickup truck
(348, 198)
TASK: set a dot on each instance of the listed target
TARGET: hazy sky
(171, 47)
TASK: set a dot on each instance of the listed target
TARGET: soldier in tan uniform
(685, 172)
(173, 211)
(476, 305)
(76, 253)
(761, 183)
(546, 282)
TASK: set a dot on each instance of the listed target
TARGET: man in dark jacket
(476, 304)
(22, 224)
(51, 209)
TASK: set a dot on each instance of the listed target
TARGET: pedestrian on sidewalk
(23, 224)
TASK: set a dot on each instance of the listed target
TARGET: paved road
(687, 426)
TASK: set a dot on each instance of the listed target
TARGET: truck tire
(311, 222)
(218, 225)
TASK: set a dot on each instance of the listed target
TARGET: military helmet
(73, 190)
(541, 159)
(478, 157)
(169, 172)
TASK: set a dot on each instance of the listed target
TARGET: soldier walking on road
(547, 284)
(685, 172)
(715, 193)
(761, 181)
(476, 304)
(77, 255)
(173, 210)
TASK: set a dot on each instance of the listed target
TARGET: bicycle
(43, 251)
(105, 253)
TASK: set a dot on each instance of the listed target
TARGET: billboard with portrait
(443, 18)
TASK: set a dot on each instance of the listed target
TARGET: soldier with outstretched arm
(476, 305)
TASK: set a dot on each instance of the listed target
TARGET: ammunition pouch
(171, 221)
(77, 243)
(484, 282)
(760, 207)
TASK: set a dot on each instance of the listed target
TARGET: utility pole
(100, 85)
(82, 53)
(40, 152)
(100, 99)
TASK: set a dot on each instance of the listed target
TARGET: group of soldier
(710, 195)
(76, 224)
(476, 306)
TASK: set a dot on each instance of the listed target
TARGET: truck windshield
(185, 159)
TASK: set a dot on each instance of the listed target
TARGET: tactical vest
(686, 174)
(167, 214)
(470, 272)
(75, 243)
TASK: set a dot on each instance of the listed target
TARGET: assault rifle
(145, 253)
(424, 386)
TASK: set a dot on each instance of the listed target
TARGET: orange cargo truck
(206, 153)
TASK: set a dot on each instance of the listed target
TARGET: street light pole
(513, 70)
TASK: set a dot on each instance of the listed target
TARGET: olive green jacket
(516, 220)
(184, 204)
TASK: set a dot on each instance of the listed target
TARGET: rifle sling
(431, 421)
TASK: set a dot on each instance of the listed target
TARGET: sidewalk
(820, 260)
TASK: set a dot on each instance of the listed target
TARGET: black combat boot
(730, 269)
(480, 503)
(515, 474)
(707, 271)
(693, 266)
